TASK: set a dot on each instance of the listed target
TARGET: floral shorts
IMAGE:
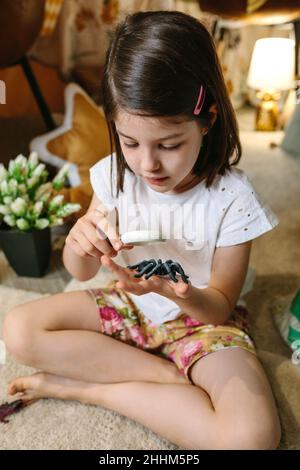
(183, 340)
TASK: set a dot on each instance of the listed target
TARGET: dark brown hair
(155, 66)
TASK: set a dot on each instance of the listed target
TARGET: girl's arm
(215, 303)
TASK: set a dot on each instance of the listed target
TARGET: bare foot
(44, 385)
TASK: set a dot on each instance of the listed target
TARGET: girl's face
(160, 147)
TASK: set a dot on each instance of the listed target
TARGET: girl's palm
(140, 286)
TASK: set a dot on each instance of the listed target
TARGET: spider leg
(170, 272)
(156, 268)
(159, 271)
(179, 269)
(145, 269)
(138, 265)
(164, 265)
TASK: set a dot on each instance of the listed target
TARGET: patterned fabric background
(76, 34)
(84, 28)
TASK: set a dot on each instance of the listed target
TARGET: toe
(15, 386)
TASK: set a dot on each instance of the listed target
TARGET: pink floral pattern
(189, 350)
(189, 321)
(112, 320)
(183, 340)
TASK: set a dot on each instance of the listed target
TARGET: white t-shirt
(194, 223)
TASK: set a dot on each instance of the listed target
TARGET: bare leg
(230, 408)
(60, 334)
(175, 411)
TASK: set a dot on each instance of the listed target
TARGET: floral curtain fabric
(76, 34)
(84, 28)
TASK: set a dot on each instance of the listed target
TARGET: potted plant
(30, 205)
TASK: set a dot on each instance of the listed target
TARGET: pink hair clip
(200, 101)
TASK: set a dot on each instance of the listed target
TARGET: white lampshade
(272, 64)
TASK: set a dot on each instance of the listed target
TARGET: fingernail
(117, 245)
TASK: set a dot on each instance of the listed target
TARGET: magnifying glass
(142, 237)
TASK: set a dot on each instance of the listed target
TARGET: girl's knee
(252, 436)
(18, 333)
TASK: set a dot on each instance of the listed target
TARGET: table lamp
(271, 72)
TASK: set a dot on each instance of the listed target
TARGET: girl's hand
(94, 235)
(139, 286)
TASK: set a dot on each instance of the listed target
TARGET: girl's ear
(213, 112)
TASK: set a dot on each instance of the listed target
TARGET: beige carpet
(52, 424)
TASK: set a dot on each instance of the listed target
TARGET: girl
(144, 347)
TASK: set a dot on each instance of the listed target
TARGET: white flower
(32, 181)
(56, 202)
(7, 200)
(33, 160)
(4, 188)
(22, 188)
(68, 209)
(59, 179)
(21, 160)
(39, 170)
(10, 220)
(22, 224)
(40, 224)
(55, 220)
(3, 172)
(4, 210)
(19, 207)
(37, 208)
(13, 187)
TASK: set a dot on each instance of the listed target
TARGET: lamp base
(267, 114)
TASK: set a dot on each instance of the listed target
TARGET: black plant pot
(27, 252)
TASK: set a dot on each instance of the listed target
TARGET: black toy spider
(150, 267)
